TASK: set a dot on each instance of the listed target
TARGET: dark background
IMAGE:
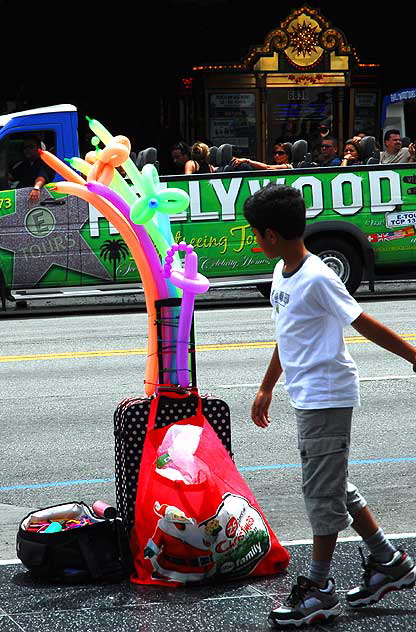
(115, 61)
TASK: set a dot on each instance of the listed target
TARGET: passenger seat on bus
(225, 155)
(301, 158)
(147, 156)
(213, 156)
(370, 153)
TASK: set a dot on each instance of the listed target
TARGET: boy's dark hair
(278, 207)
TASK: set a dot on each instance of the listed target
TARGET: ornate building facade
(305, 74)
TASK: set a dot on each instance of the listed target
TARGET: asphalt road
(61, 380)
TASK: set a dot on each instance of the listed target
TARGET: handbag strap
(154, 404)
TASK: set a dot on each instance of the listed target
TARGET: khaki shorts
(324, 441)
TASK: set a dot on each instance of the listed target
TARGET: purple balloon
(144, 239)
(154, 264)
(192, 283)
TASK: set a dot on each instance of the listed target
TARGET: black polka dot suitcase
(130, 423)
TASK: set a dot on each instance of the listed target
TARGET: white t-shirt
(311, 307)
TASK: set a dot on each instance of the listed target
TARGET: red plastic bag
(211, 530)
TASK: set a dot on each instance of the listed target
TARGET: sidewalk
(26, 606)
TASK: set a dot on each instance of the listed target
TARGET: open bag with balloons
(193, 517)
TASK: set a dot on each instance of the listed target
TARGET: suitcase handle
(154, 405)
(176, 392)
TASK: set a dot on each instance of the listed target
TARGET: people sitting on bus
(394, 150)
(317, 137)
(352, 153)
(329, 153)
(199, 160)
(358, 136)
(282, 155)
(180, 154)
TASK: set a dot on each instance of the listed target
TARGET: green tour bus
(360, 220)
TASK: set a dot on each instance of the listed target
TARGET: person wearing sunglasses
(329, 153)
(282, 155)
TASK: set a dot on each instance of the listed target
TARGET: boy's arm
(261, 404)
(375, 331)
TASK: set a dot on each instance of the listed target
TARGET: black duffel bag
(97, 551)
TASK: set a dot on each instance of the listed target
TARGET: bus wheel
(264, 289)
(341, 257)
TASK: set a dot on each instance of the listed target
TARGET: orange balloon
(60, 167)
(91, 157)
(102, 172)
(114, 154)
(149, 286)
(123, 140)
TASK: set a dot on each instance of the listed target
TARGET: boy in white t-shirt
(311, 306)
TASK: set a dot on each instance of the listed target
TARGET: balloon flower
(191, 283)
(153, 202)
(140, 212)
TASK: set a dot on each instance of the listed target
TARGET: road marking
(352, 538)
(9, 488)
(375, 378)
(243, 468)
(285, 466)
(143, 351)
(309, 542)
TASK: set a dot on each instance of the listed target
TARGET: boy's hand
(260, 409)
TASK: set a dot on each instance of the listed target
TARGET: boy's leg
(322, 552)
(367, 527)
(386, 568)
(324, 437)
(365, 524)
